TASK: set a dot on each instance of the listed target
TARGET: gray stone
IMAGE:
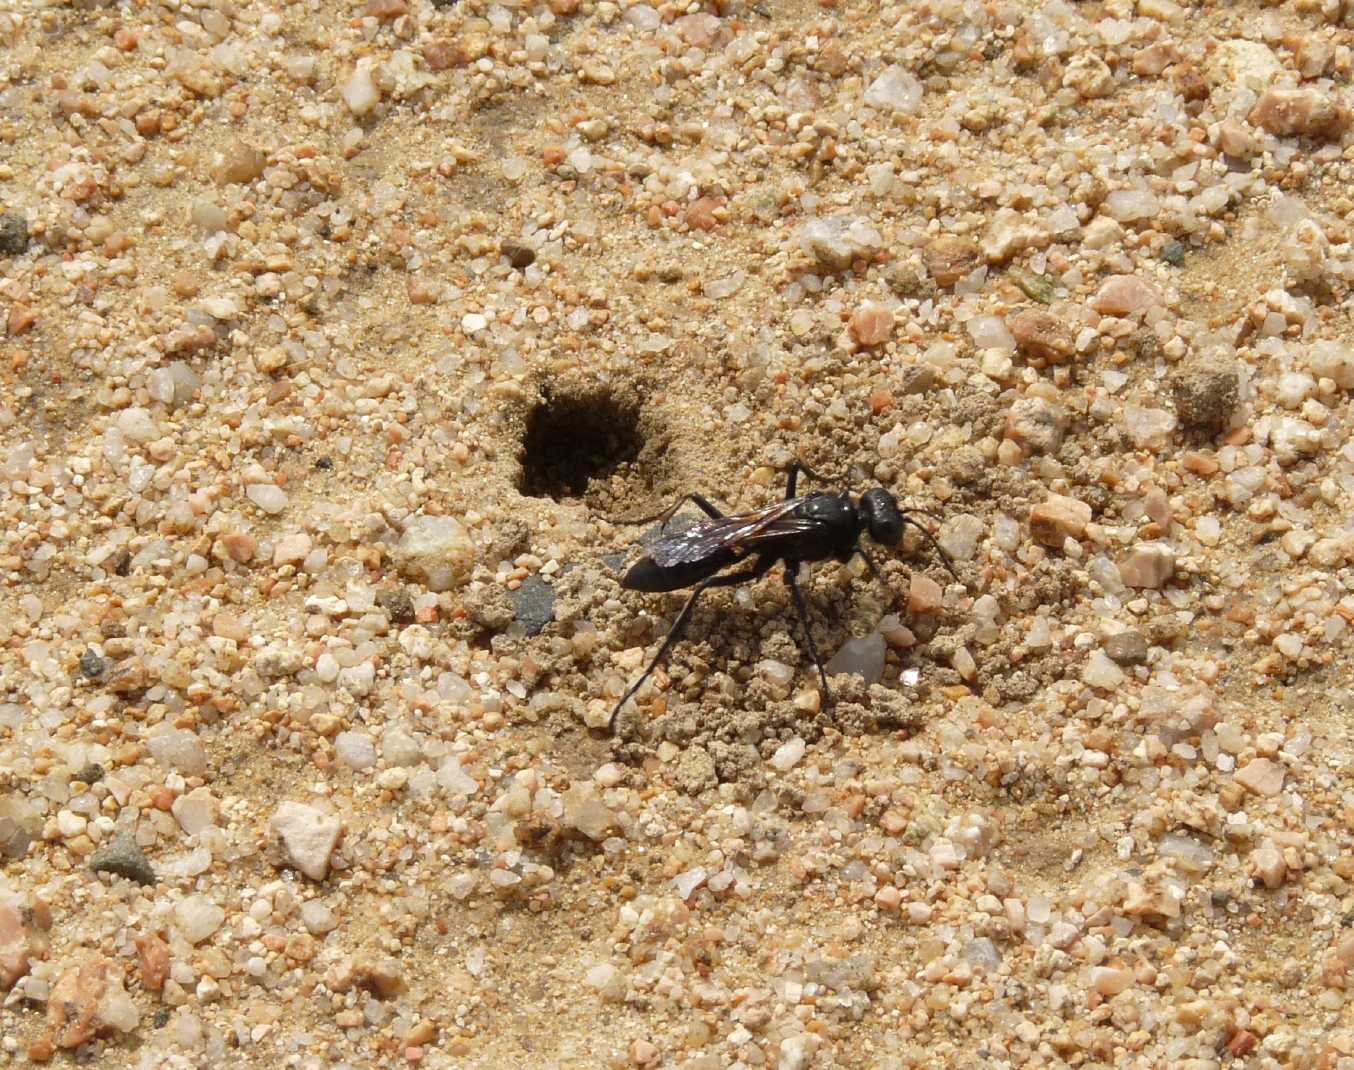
(123, 858)
(1126, 648)
(13, 234)
(91, 665)
(1206, 394)
(533, 604)
(397, 602)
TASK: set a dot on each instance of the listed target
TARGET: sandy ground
(340, 340)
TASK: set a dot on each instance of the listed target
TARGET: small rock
(1089, 76)
(308, 836)
(13, 234)
(1126, 648)
(397, 602)
(586, 813)
(435, 550)
(399, 748)
(239, 546)
(1150, 429)
(359, 91)
(896, 89)
(291, 549)
(1009, 234)
(197, 917)
(1058, 519)
(835, 243)
(606, 980)
(318, 917)
(123, 858)
(1262, 776)
(240, 164)
(1109, 981)
(1206, 395)
(1267, 865)
(950, 258)
(269, 497)
(73, 1006)
(643, 1054)
(1035, 287)
(872, 324)
(1123, 295)
(1299, 112)
(195, 812)
(91, 665)
(1036, 425)
(154, 962)
(355, 750)
(1102, 673)
(1148, 566)
(787, 755)
(924, 594)
(180, 750)
(1042, 335)
(1235, 140)
(533, 604)
(863, 657)
(24, 922)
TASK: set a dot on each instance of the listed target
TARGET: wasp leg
(802, 609)
(798, 466)
(701, 502)
(732, 579)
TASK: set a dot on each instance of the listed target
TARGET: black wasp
(817, 527)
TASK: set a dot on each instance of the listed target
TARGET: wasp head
(883, 519)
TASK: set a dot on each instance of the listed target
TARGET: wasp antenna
(935, 545)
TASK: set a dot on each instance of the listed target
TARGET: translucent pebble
(688, 882)
(1102, 673)
(455, 780)
(1129, 205)
(180, 750)
(991, 332)
(643, 17)
(318, 917)
(896, 89)
(355, 750)
(788, 754)
(359, 91)
(864, 657)
(197, 918)
(1186, 851)
(960, 535)
(267, 496)
(1294, 389)
(725, 286)
(398, 747)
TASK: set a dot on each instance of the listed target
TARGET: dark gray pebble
(13, 234)
(533, 604)
(91, 665)
(123, 858)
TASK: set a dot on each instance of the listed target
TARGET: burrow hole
(575, 439)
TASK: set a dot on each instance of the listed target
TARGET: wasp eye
(882, 518)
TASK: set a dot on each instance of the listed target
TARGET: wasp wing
(728, 533)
